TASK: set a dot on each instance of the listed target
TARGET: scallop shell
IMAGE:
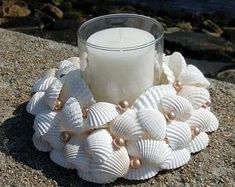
(49, 73)
(68, 62)
(167, 75)
(58, 157)
(179, 158)
(153, 122)
(61, 73)
(194, 77)
(100, 114)
(53, 93)
(180, 106)
(37, 103)
(99, 145)
(42, 84)
(44, 121)
(87, 176)
(199, 142)
(151, 97)
(72, 114)
(150, 151)
(126, 127)
(40, 144)
(196, 95)
(74, 59)
(177, 63)
(178, 135)
(76, 155)
(213, 122)
(116, 166)
(75, 86)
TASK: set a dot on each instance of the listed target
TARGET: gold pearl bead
(195, 131)
(123, 105)
(135, 163)
(170, 116)
(65, 136)
(177, 85)
(85, 112)
(58, 105)
(119, 142)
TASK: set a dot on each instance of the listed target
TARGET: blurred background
(202, 30)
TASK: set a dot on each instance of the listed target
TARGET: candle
(126, 70)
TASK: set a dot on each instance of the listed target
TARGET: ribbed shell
(44, 121)
(167, 75)
(196, 95)
(126, 127)
(213, 123)
(52, 93)
(75, 154)
(87, 176)
(199, 142)
(179, 158)
(58, 157)
(153, 122)
(61, 73)
(150, 151)
(116, 166)
(177, 104)
(75, 86)
(99, 145)
(37, 103)
(42, 84)
(40, 144)
(74, 59)
(194, 77)
(72, 115)
(178, 135)
(151, 97)
(177, 63)
(100, 114)
(49, 73)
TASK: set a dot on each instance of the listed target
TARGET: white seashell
(53, 137)
(150, 151)
(40, 144)
(44, 121)
(180, 106)
(76, 155)
(37, 103)
(178, 135)
(42, 84)
(58, 157)
(116, 166)
(213, 123)
(61, 73)
(179, 158)
(49, 73)
(74, 59)
(199, 142)
(75, 86)
(72, 114)
(177, 63)
(153, 122)
(100, 114)
(151, 97)
(143, 172)
(196, 95)
(87, 176)
(194, 77)
(53, 93)
(167, 75)
(126, 127)
(99, 145)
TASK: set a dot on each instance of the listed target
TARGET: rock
(185, 26)
(172, 30)
(200, 46)
(229, 33)
(227, 75)
(212, 28)
(52, 11)
(15, 9)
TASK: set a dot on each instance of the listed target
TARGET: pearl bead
(58, 105)
(135, 163)
(177, 85)
(65, 136)
(85, 112)
(170, 116)
(119, 142)
(123, 105)
(195, 131)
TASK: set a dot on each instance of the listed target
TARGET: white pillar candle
(121, 74)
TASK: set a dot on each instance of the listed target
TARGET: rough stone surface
(23, 58)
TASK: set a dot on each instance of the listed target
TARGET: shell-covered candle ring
(106, 141)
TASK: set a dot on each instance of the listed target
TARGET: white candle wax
(121, 74)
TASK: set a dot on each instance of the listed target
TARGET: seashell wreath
(104, 141)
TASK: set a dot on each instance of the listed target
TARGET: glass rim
(124, 48)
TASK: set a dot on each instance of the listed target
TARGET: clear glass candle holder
(118, 53)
